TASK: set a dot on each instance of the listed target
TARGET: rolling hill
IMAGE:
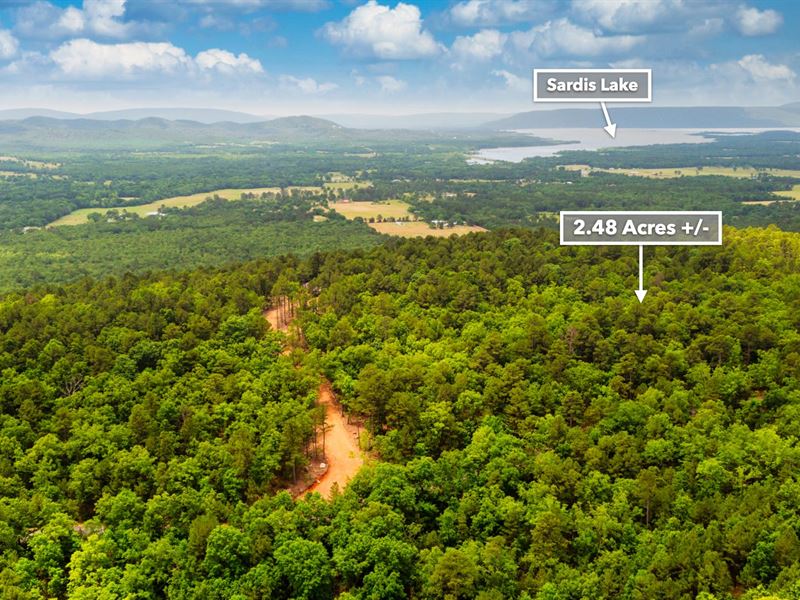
(655, 117)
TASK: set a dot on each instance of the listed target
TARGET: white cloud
(761, 70)
(306, 85)
(514, 82)
(358, 78)
(301, 5)
(707, 27)
(386, 33)
(8, 44)
(71, 20)
(564, 38)
(627, 15)
(218, 22)
(221, 3)
(751, 21)
(684, 82)
(102, 18)
(227, 62)
(483, 46)
(391, 85)
(496, 12)
(86, 58)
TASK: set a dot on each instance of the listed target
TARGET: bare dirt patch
(343, 457)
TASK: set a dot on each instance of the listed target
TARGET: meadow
(410, 229)
(81, 216)
(397, 210)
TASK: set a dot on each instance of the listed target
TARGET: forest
(217, 232)
(540, 433)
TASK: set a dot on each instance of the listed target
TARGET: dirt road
(271, 315)
(342, 453)
(278, 318)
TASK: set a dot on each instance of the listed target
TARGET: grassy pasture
(792, 194)
(80, 216)
(422, 229)
(366, 210)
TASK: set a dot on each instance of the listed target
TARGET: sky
(280, 57)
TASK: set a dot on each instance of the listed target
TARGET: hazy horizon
(275, 114)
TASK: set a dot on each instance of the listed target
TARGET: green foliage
(541, 434)
(213, 234)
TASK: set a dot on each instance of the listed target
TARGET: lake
(598, 139)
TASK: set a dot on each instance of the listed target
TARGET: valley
(515, 397)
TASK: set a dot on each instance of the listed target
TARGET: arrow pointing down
(641, 293)
(611, 128)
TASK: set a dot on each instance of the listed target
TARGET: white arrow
(641, 293)
(611, 128)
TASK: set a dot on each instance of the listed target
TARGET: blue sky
(275, 57)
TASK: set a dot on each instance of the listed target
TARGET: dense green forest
(214, 233)
(541, 433)
(501, 204)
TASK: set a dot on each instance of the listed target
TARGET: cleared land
(793, 194)
(422, 229)
(33, 164)
(396, 209)
(80, 216)
(343, 458)
(342, 453)
(346, 185)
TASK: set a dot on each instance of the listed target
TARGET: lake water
(598, 139)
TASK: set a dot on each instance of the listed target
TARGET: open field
(80, 216)
(793, 194)
(345, 185)
(340, 181)
(33, 164)
(396, 209)
(671, 173)
(422, 229)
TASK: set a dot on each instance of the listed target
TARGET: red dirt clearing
(278, 319)
(343, 457)
(342, 453)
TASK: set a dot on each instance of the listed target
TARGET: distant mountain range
(419, 121)
(200, 115)
(702, 117)
(710, 117)
(153, 133)
(80, 132)
(211, 115)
